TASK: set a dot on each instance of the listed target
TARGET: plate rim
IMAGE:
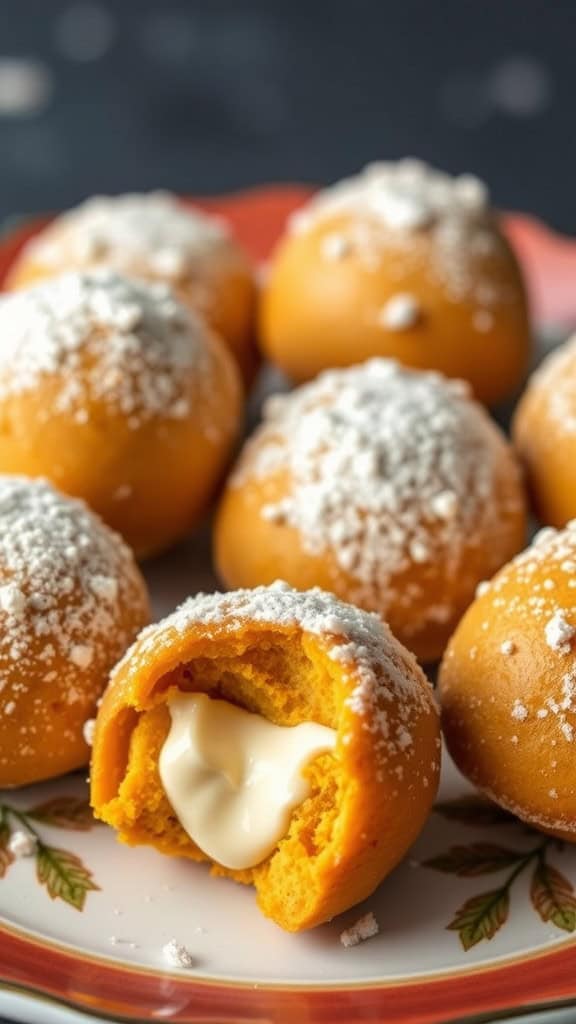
(467, 970)
(93, 984)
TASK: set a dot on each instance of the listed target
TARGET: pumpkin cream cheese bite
(508, 686)
(157, 237)
(544, 432)
(120, 395)
(401, 261)
(71, 603)
(284, 737)
(390, 487)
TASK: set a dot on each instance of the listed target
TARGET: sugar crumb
(508, 647)
(364, 928)
(567, 731)
(335, 247)
(81, 655)
(519, 711)
(12, 600)
(483, 320)
(401, 312)
(22, 844)
(177, 955)
(559, 633)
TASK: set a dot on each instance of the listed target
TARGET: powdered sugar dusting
(126, 345)
(540, 572)
(386, 468)
(152, 233)
(52, 549)
(378, 669)
(405, 196)
(433, 223)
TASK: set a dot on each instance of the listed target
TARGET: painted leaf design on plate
(474, 810)
(64, 812)
(64, 875)
(475, 859)
(6, 857)
(553, 897)
(481, 917)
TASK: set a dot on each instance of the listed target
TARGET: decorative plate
(479, 920)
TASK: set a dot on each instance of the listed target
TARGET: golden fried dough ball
(508, 686)
(119, 395)
(545, 436)
(288, 658)
(390, 487)
(157, 237)
(71, 602)
(401, 261)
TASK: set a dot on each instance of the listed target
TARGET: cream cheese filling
(233, 778)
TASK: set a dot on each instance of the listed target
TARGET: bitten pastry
(400, 261)
(71, 602)
(157, 237)
(508, 686)
(121, 396)
(388, 486)
(286, 738)
(545, 435)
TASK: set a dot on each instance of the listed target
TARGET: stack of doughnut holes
(134, 329)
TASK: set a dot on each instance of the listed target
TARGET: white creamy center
(233, 778)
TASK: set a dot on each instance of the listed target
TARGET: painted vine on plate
(481, 917)
(65, 877)
(62, 873)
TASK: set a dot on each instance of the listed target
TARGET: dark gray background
(213, 95)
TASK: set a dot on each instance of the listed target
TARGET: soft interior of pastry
(286, 687)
